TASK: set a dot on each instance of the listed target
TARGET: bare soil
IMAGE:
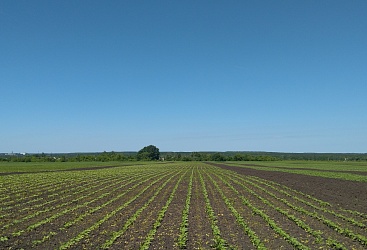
(347, 194)
(236, 189)
(312, 169)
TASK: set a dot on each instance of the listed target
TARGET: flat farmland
(186, 205)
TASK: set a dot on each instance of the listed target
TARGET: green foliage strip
(252, 235)
(96, 225)
(219, 242)
(293, 241)
(130, 221)
(145, 245)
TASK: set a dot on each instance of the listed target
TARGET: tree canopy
(150, 153)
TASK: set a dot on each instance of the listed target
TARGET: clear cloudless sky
(86, 76)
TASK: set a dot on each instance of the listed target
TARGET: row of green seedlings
(85, 233)
(43, 182)
(16, 221)
(95, 209)
(321, 203)
(219, 242)
(4, 215)
(133, 218)
(356, 213)
(316, 233)
(344, 231)
(54, 216)
(335, 226)
(29, 205)
(142, 179)
(108, 216)
(60, 192)
(14, 186)
(19, 197)
(81, 194)
(299, 222)
(3, 187)
(60, 213)
(184, 226)
(350, 220)
(254, 238)
(38, 183)
(18, 200)
(117, 234)
(149, 238)
(322, 207)
(86, 182)
(71, 192)
(38, 212)
(19, 203)
(26, 205)
(256, 211)
(4, 196)
(52, 189)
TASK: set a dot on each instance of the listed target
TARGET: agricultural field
(30, 167)
(353, 171)
(183, 205)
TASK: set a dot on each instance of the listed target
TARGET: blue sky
(85, 76)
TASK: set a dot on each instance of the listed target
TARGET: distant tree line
(151, 153)
(148, 153)
(216, 156)
(104, 156)
(142, 155)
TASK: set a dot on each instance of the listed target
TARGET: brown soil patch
(312, 169)
(339, 193)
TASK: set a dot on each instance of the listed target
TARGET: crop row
(250, 186)
(184, 227)
(322, 207)
(128, 207)
(55, 194)
(96, 225)
(76, 196)
(80, 217)
(104, 189)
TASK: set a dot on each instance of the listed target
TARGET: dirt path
(346, 194)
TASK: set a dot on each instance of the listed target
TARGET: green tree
(196, 156)
(217, 157)
(150, 153)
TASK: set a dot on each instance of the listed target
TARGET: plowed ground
(142, 207)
